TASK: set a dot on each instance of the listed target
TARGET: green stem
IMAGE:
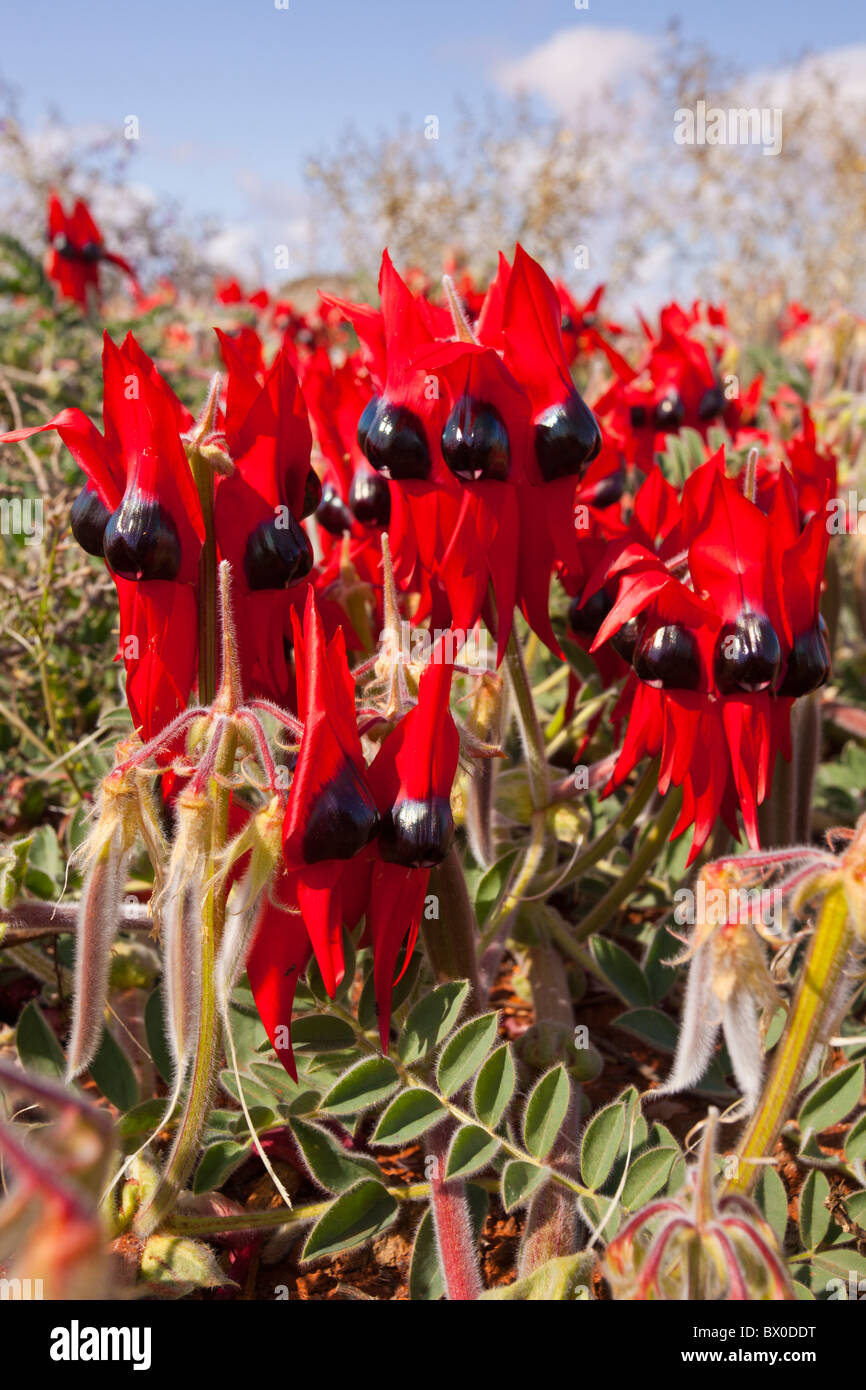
(825, 960)
(622, 822)
(201, 1227)
(539, 786)
(650, 847)
(527, 719)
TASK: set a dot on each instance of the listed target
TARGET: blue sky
(233, 95)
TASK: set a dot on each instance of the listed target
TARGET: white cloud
(844, 68)
(577, 65)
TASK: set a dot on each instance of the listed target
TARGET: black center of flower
(88, 517)
(395, 443)
(667, 658)
(417, 833)
(90, 251)
(712, 404)
(368, 415)
(332, 512)
(624, 642)
(669, 412)
(637, 417)
(606, 491)
(312, 493)
(808, 662)
(342, 819)
(748, 655)
(140, 540)
(587, 618)
(370, 498)
(567, 438)
(475, 442)
(277, 553)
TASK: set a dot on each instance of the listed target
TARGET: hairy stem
(449, 942)
(187, 1140)
(824, 962)
(552, 1224)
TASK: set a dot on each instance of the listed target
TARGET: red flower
(583, 330)
(483, 440)
(258, 510)
(356, 840)
(722, 636)
(140, 510)
(76, 248)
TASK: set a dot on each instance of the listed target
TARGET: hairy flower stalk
(180, 913)
(450, 945)
(125, 812)
(206, 1055)
(262, 839)
(814, 1008)
(552, 1224)
(729, 985)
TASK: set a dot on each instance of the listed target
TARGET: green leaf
(331, 1165)
(183, 1264)
(142, 1119)
(254, 1092)
(772, 1200)
(833, 1099)
(519, 1181)
(565, 1278)
(814, 1215)
(408, 1115)
(492, 885)
(659, 976)
(837, 1265)
(425, 1271)
(855, 1140)
(321, 1033)
(112, 1071)
(355, 1217)
(463, 1054)
(471, 1149)
(604, 1211)
(262, 1117)
(545, 1111)
(647, 1176)
(291, 1095)
(432, 1019)
(218, 1162)
(651, 1026)
(38, 1049)
(364, 1085)
(494, 1086)
(600, 1144)
(622, 973)
(367, 1007)
(44, 875)
(154, 1027)
(855, 1205)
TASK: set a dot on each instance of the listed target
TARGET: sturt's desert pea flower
(75, 251)
(723, 634)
